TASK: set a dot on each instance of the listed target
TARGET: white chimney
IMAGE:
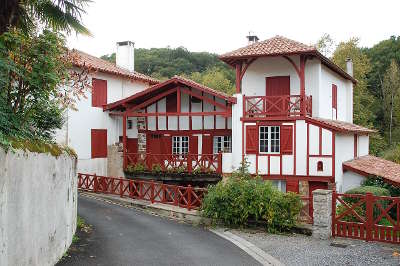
(349, 66)
(125, 55)
(252, 38)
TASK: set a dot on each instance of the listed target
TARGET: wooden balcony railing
(189, 163)
(276, 106)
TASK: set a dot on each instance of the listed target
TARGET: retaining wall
(38, 205)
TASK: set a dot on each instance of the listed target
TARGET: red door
(277, 86)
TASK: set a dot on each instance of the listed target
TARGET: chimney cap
(252, 38)
(125, 43)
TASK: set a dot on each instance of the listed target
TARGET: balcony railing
(276, 106)
(174, 163)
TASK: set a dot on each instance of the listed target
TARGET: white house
(291, 118)
(86, 129)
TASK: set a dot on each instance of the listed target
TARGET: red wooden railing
(284, 106)
(367, 217)
(202, 163)
(184, 197)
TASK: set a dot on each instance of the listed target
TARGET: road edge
(254, 251)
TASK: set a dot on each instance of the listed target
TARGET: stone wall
(115, 161)
(322, 204)
(38, 205)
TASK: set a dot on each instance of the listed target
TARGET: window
(279, 184)
(130, 124)
(320, 166)
(99, 92)
(269, 139)
(222, 144)
(180, 145)
(99, 143)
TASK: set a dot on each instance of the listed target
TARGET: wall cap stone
(322, 192)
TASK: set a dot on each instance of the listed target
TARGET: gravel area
(304, 250)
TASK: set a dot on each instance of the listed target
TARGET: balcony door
(275, 88)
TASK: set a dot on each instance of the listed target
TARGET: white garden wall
(38, 205)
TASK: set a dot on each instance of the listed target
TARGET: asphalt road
(124, 236)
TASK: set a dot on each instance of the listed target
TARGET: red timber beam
(301, 73)
(204, 98)
(152, 100)
(241, 67)
(135, 114)
(124, 140)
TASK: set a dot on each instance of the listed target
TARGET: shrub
(239, 200)
(136, 168)
(377, 191)
(156, 168)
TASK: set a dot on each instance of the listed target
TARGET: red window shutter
(99, 143)
(171, 105)
(99, 92)
(286, 139)
(251, 139)
(207, 145)
(166, 145)
(334, 96)
(193, 145)
(292, 185)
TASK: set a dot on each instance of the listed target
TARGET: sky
(219, 26)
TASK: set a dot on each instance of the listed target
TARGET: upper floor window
(269, 139)
(99, 92)
(130, 124)
(180, 145)
(222, 144)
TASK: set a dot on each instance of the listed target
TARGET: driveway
(125, 236)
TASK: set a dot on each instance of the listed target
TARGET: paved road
(124, 236)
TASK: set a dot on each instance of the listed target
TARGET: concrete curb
(257, 253)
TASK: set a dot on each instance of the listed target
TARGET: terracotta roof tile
(274, 46)
(82, 59)
(340, 126)
(375, 166)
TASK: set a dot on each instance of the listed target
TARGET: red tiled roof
(340, 126)
(370, 165)
(279, 45)
(82, 59)
(165, 84)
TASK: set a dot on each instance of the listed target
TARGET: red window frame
(99, 143)
(99, 92)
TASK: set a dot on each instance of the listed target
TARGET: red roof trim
(339, 126)
(181, 80)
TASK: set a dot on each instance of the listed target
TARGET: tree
(60, 15)
(363, 101)
(391, 93)
(325, 45)
(36, 83)
(215, 79)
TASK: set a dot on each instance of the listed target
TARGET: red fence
(184, 197)
(189, 163)
(285, 106)
(367, 217)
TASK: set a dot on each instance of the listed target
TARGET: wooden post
(189, 199)
(189, 163)
(333, 211)
(238, 76)
(219, 169)
(152, 191)
(95, 183)
(302, 85)
(369, 216)
(124, 118)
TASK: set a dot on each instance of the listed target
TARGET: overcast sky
(219, 26)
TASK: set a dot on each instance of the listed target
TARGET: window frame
(221, 141)
(269, 140)
(177, 149)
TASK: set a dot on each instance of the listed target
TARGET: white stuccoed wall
(38, 207)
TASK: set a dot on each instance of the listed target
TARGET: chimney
(125, 55)
(349, 66)
(252, 38)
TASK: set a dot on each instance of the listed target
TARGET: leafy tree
(325, 45)
(363, 101)
(214, 78)
(60, 15)
(391, 96)
(34, 72)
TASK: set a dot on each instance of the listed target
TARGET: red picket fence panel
(189, 163)
(366, 217)
(184, 197)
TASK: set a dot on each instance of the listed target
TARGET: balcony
(285, 106)
(173, 163)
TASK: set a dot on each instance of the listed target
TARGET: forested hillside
(376, 95)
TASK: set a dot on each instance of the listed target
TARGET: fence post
(322, 213)
(79, 180)
(176, 195)
(152, 191)
(334, 195)
(219, 170)
(189, 163)
(189, 199)
(121, 188)
(369, 221)
(95, 184)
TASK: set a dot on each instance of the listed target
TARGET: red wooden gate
(367, 217)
